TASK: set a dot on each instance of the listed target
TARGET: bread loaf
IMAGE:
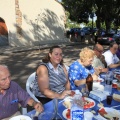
(116, 97)
(67, 104)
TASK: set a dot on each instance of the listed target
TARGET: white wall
(7, 12)
(42, 21)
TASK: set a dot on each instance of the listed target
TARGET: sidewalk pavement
(10, 49)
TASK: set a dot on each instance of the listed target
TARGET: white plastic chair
(28, 86)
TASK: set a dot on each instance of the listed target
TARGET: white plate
(112, 112)
(21, 117)
(64, 114)
(90, 100)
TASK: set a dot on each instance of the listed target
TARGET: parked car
(72, 31)
(87, 30)
(117, 38)
(108, 38)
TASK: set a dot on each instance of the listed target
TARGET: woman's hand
(95, 77)
(98, 70)
(64, 94)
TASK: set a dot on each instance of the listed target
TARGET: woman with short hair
(79, 70)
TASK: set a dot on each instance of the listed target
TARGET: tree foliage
(107, 11)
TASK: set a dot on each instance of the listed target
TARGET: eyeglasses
(115, 48)
(100, 51)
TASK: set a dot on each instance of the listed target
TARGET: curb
(10, 50)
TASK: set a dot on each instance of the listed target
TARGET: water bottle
(108, 82)
(77, 111)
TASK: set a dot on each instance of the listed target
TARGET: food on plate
(68, 114)
(72, 93)
(116, 97)
(102, 112)
(67, 104)
(88, 104)
(109, 115)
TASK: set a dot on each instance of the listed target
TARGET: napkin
(97, 86)
(98, 95)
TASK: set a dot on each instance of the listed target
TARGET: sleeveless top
(57, 82)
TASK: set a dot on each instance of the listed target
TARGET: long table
(49, 107)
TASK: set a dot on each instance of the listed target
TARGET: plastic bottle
(77, 111)
(108, 82)
(89, 82)
(108, 86)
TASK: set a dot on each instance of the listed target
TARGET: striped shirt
(57, 80)
(9, 101)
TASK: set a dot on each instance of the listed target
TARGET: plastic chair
(28, 86)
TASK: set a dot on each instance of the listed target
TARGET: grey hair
(5, 66)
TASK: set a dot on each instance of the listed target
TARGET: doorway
(3, 33)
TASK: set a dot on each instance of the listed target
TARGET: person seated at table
(118, 52)
(11, 95)
(99, 62)
(51, 77)
(80, 69)
(110, 56)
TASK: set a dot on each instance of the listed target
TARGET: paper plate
(88, 103)
(111, 113)
(21, 117)
(65, 114)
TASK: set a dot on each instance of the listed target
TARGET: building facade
(29, 23)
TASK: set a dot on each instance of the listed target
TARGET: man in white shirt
(110, 56)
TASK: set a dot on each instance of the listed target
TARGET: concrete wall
(7, 12)
(38, 21)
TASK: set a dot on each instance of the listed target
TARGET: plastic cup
(114, 83)
(109, 99)
(88, 116)
(118, 86)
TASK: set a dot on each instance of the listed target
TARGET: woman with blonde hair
(79, 70)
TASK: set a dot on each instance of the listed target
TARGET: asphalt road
(22, 64)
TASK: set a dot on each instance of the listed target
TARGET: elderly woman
(79, 70)
(51, 77)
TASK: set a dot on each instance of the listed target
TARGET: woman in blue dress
(79, 70)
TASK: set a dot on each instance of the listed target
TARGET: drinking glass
(109, 99)
(118, 86)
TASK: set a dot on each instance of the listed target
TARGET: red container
(114, 83)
